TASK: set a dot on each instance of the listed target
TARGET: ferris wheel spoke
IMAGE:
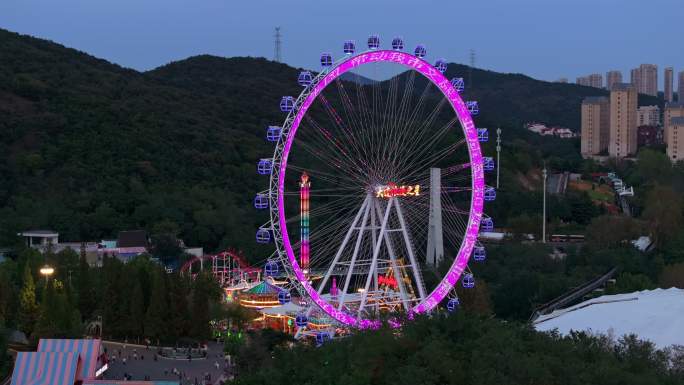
(332, 179)
(410, 121)
(357, 160)
(420, 165)
(353, 116)
(332, 161)
(360, 144)
(414, 141)
(346, 131)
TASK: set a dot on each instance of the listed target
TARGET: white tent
(654, 315)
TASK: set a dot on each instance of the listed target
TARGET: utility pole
(498, 155)
(276, 49)
(470, 70)
(544, 209)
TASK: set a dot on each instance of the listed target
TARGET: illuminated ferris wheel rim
(283, 147)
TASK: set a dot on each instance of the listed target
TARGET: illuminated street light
(47, 271)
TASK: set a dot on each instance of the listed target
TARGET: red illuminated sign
(392, 190)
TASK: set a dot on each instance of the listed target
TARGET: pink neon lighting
(476, 168)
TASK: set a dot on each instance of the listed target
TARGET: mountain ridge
(90, 148)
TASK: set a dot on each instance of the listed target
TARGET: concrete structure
(583, 81)
(672, 131)
(595, 125)
(645, 79)
(596, 80)
(680, 87)
(613, 77)
(623, 125)
(648, 116)
(40, 239)
(593, 80)
(675, 131)
(669, 83)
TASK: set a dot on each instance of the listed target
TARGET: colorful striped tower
(304, 187)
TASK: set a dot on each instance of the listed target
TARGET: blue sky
(546, 39)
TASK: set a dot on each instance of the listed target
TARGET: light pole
(47, 271)
(498, 155)
(544, 209)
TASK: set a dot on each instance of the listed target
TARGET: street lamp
(498, 155)
(47, 271)
(544, 210)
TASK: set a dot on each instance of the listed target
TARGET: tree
(28, 307)
(179, 317)
(136, 311)
(59, 317)
(653, 166)
(85, 288)
(663, 213)
(5, 358)
(205, 289)
(610, 231)
(673, 276)
(157, 312)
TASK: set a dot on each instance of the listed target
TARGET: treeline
(135, 300)
(90, 148)
(462, 349)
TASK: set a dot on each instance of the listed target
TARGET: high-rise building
(595, 125)
(593, 80)
(635, 78)
(680, 87)
(676, 130)
(645, 79)
(623, 125)
(583, 81)
(667, 90)
(596, 80)
(672, 111)
(648, 116)
(613, 77)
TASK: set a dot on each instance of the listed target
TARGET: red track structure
(228, 267)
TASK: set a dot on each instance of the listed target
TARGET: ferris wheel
(376, 188)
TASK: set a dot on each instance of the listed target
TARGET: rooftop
(39, 233)
(622, 87)
(648, 314)
(595, 100)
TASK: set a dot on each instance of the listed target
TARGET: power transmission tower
(470, 70)
(276, 50)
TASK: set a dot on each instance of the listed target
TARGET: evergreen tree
(5, 359)
(205, 289)
(179, 317)
(157, 312)
(113, 312)
(28, 307)
(136, 313)
(86, 289)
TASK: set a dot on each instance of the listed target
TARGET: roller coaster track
(572, 295)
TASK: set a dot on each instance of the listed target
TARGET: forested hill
(89, 148)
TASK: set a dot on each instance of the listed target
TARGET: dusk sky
(546, 39)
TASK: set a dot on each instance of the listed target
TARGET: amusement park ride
(376, 191)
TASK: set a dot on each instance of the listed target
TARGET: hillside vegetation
(90, 148)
